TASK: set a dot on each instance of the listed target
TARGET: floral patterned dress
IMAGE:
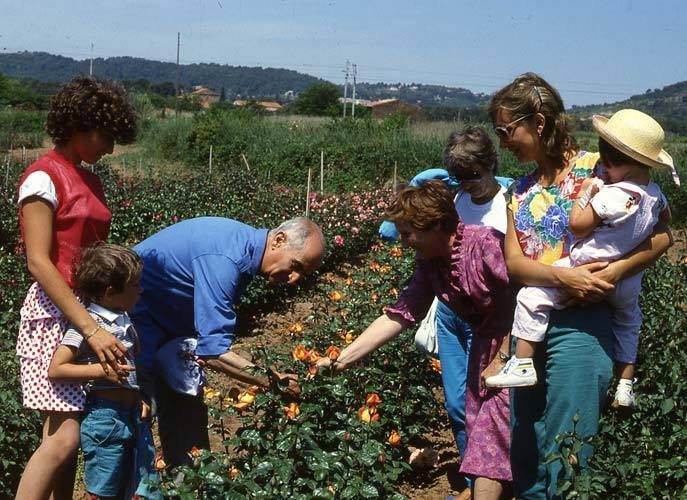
(541, 214)
(473, 282)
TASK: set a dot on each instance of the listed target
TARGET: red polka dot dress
(80, 218)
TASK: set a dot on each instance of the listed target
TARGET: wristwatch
(503, 356)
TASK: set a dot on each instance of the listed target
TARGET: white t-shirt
(39, 184)
(492, 213)
(628, 212)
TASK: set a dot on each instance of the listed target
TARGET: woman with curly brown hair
(463, 266)
(530, 121)
(62, 209)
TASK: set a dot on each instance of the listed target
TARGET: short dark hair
(86, 104)
(424, 206)
(103, 265)
(612, 156)
(469, 148)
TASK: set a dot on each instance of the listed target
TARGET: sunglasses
(505, 132)
(463, 174)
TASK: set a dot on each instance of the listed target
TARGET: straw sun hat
(637, 135)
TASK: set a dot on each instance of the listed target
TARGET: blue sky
(592, 51)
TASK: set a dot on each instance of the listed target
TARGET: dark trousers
(182, 423)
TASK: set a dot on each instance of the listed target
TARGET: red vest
(81, 217)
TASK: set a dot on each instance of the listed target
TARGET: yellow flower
(540, 204)
(296, 328)
(210, 393)
(292, 411)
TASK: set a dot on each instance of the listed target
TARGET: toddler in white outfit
(609, 220)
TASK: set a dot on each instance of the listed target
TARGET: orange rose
(312, 371)
(435, 364)
(295, 329)
(396, 252)
(194, 452)
(313, 356)
(159, 462)
(299, 353)
(373, 399)
(333, 352)
(292, 411)
(233, 472)
(348, 281)
(335, 296)
(394, 438)
(394, 292)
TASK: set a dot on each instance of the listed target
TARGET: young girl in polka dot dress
(62, 209)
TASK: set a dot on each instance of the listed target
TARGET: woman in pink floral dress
(464, 267)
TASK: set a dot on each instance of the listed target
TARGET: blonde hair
(529, 94)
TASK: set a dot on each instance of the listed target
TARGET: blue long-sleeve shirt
(193, 274)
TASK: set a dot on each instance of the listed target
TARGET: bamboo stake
(245, 161)
(307, 195)
(395, 176)
(210, 160)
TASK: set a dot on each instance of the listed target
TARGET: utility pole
(347, 70)
(90, 70)
(355, 73)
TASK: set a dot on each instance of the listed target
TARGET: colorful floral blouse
(541, 214)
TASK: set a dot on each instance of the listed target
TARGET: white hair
(298, 230)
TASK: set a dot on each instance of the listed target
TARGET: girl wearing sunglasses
(529, 119)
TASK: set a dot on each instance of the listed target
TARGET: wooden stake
(210, 160)
(321, 171)
(245, 161)
(7, 171)
(395, 176)
(307, 195)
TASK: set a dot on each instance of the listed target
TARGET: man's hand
(284, 382)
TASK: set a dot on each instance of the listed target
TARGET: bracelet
(89, 335)
(503, 356)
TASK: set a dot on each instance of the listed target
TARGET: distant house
(270, 106)
(387, 107)
(206, 96)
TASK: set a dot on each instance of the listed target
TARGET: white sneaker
(516, 373)
(624, 395)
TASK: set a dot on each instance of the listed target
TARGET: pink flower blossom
(339, 240)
